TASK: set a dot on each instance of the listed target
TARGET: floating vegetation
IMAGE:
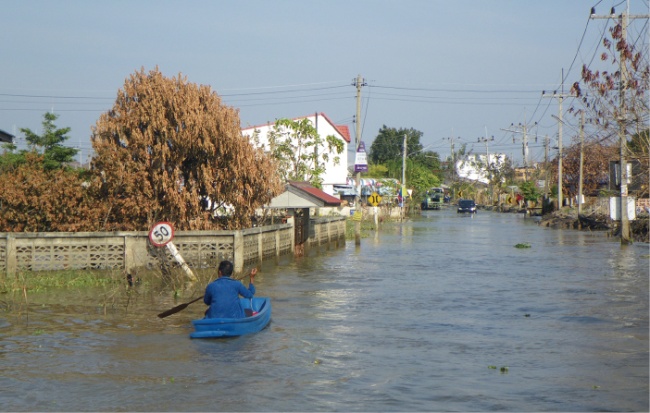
(523, 245)
(503, 369)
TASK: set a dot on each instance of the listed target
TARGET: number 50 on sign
(161, 234)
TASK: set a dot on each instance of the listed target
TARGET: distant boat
(258, 315)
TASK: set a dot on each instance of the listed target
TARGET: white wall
(472, 167)
(334, 174)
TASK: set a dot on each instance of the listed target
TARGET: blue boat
(257, 309)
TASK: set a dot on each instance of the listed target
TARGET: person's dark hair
(226, 268)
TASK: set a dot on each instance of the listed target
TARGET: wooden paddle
(177, 308)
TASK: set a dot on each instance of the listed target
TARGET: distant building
(6, 137)
(474, 167)
(335, 174)
(521, 174)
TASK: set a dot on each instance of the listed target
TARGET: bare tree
(615, 101)
(595, 169)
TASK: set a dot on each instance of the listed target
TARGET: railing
(130, 250)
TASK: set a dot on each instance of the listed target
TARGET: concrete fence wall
(130, 250)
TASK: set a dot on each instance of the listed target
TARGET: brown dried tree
(595, 168)
(34, 198)
(169, 150)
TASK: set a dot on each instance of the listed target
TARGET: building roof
(303, 195)
(328, 199)
(343, 130)
(6, 137)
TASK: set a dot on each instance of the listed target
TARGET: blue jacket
(222, 295)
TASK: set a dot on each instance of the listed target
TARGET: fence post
(129, 259)
(260, 247)
(238, 251)
(277, 242)
(12, 262)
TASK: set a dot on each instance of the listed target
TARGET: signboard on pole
(374, 199)
(161, 234)
(360, 159)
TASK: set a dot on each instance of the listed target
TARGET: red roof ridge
(324, 196)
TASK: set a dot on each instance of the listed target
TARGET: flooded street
(437, 313)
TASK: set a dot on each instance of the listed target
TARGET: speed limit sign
(161, 234)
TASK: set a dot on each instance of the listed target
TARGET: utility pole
(546, 145)
(358, 83)
(453, 155)
(623, 19)
(453, 160)
(560, 97)
(403, 176)
(582, 147)
(487, 165)
(522, 129)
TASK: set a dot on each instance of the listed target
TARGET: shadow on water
(437, 313)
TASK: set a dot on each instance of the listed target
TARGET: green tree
(50, 143)
(529, 191)
(10, 159)
(420, 178)
(301, 153)
(430, 160)
(389, 145)
(377, 171)
(423, 168)
(499, 173)
(170, 150)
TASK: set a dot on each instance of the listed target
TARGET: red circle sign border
(158, 244)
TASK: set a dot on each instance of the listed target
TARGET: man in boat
(222, 294)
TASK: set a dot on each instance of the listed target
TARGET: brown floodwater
(438, 313)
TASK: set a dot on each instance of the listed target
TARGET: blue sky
(459, 69)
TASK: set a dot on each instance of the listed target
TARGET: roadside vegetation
(367, 227)
(167, 150)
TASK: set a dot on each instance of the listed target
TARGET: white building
(335, 173)
(473, 167)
